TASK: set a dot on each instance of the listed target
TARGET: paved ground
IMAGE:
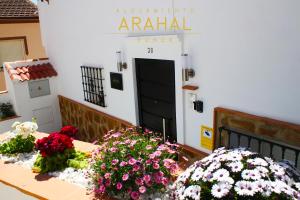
(10, 193)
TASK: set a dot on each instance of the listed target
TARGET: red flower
(70, 131)
(54, 143)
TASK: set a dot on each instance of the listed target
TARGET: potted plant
(235, 174)
(133, 163)
(6, 110)
(57, 152)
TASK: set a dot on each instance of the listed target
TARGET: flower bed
(236, 174)
(133, 164)
(54, 154)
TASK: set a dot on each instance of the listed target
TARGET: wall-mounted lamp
(187, 73)
(120, 64)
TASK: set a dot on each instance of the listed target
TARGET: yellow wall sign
(207, 137)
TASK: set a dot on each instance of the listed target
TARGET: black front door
(156, 96)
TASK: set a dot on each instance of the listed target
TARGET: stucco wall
(245, 54)
(32, 33)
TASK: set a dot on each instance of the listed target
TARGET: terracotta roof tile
(18, 9)
(31, 72)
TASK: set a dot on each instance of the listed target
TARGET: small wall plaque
(39, 88)
(116, 81)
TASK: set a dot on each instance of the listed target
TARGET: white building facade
(245, 54)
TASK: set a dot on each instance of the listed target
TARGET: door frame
(165, 47)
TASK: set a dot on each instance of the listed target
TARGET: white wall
(245, 53)
(4, 97)
(44, 108)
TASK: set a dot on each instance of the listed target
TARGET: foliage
(6, 110)
(60, 161)
(133, 162)
(18, 144)
(236, 174)
(78, 160)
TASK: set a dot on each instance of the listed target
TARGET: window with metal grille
(92, 82)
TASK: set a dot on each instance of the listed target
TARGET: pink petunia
(164, 181)
(148, 147)
(119, 186)
(135, 195)
(132, 161)
(155, 165)
(123, 163)
(148, 162)
(114, 161)
(136, 168)
(116, 135)
(113, 149)
(100, 180)
(142, 189)
(125, 177)
(152, 156)
(107, 182)
(168, 163)
(139, 181)
(147, 178)
(101, 189)
(107, 175)
(103, 166)
(157, 153)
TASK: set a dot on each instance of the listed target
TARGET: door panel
(157, 107)
(156, 95)
(161, 92)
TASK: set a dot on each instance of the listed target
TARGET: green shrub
(60, 161)
(6, 110)
(18, 144)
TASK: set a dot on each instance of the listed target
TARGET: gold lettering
(123, 24)
(164, 23)
(148, 25)
(136, 21)
(174, 24)
(185, 27)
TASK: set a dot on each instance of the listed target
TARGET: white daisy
(229, 180)
(184, 176)
(261, 185)
(269, 160)
(193, 191)
(207, 176)
(220, 189)
(262, 171)
(245, 188)
(197, 175)
(236, 166)
(258, 161)
(220, 175)
(277, 170)
(213, 166)
(234, 156)
(251, 174)
(276, 186)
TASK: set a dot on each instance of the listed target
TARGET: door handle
(164, 129)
